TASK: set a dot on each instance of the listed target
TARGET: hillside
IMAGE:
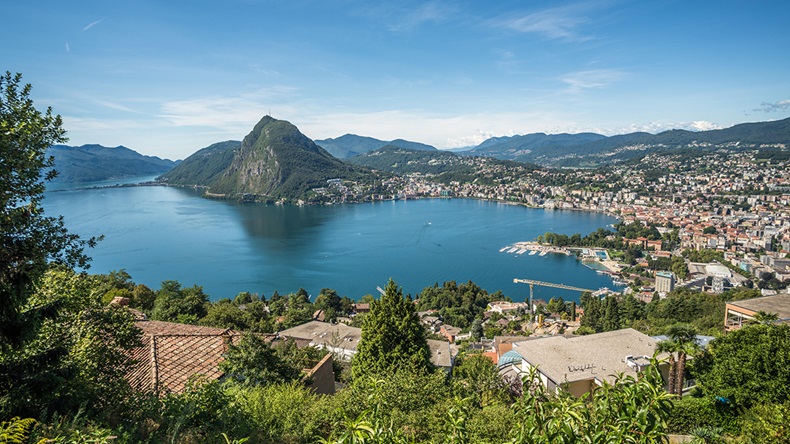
(399, 160)
(588, 149)
(205, 166)
(89, 163)
(274, 162)
(351, 145)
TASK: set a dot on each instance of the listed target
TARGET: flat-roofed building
(738, 313)
(665, 282)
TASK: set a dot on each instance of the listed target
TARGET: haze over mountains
(351, 145)
(88, 163)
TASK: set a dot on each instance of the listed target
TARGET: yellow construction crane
(532, 283)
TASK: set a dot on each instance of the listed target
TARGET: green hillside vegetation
(205, 166)
(274, 162)
(89, 163)
(400, 160)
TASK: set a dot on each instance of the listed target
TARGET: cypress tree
(392, 337)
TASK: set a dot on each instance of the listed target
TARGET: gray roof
(323, 334)
(598, 356)
(779, 304)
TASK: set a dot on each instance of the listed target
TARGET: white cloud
(591, 79)
(428, 12)
(767, 107)
(68, 48)
(228, 112)
(563, 23)
(92, 24)
(657, 127)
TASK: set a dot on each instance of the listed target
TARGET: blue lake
(161, 233)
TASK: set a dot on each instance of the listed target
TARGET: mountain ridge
(350, 145)
(93, 162)
(275, 161)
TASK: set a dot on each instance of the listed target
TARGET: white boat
(501, 250)
(512, 250)
(521, 251)
(543, 253)
(533, 252)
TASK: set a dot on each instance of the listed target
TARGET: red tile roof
(172, 353)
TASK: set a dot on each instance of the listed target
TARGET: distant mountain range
(589, 149)
(399, 160)
(351, 145)
(89, 163)
(275, 161)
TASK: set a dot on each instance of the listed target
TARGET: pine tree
(392, 337)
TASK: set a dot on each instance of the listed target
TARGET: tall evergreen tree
(392, 337)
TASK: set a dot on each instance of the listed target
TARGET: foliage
(392, 337)
(476, 378)
(748, 366)
(15, 430)
(767, 424)
(254, 362)
(629, 410)
(681, 342)
(690, 412)
(176, 304)
(78, 356)
(29, 240)
(458, 305)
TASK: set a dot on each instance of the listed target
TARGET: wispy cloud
(591, 79)
(767, 107)
(564, 23)
(227, 112)
(657, 127)
(429, 12)
(92, 24)
(68, 48)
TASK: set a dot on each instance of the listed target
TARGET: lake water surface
(161, 233)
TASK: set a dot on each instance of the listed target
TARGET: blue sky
(168, 78)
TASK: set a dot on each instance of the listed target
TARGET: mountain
(89, 163)
(529, 147)
(274, 161)
(399, 160)
(351, 145)
(204, 166)
(589, 149)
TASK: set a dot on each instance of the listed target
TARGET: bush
(690, 413)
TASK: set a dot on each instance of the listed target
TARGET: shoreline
(216, 196)
(609, 266)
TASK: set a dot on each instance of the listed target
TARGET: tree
(681, 342)
(392, 337)
(253, 362)
(475, 376)
(748, 366)
(29, 240)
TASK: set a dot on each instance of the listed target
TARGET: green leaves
(392, 337)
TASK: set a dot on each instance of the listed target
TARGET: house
(583, 363)
(173, 353)
(342, 340)
(738, 313)
(503, 307)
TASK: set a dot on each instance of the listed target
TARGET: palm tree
(682, 342)
(765, 318)
(667, 346)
